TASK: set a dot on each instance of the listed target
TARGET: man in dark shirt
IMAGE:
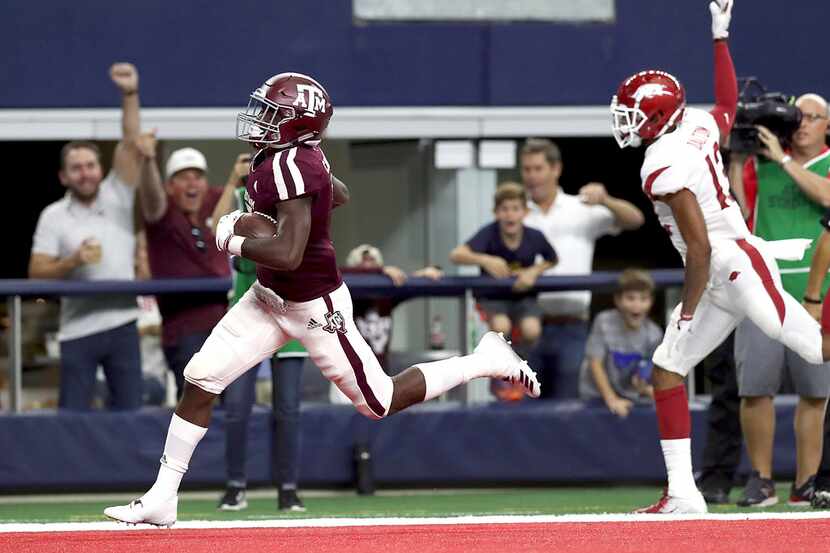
(299, 294)
(506, 248)
(180, 244)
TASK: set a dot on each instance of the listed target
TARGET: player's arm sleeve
(295, 176)
(726, 89)
(669, 179)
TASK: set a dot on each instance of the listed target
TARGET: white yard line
(411, 521)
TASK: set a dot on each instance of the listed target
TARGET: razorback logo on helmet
(316, 101)
(650, 91)
(645, 106)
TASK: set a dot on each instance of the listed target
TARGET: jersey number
(714, 167)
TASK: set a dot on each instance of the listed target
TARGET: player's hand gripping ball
(235, 226)
(255, 225)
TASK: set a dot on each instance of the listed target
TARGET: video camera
(756, 106)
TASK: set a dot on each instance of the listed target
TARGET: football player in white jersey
(729, 273)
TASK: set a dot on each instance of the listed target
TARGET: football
(255, 225)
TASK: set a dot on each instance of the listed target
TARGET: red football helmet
(288, 109)
(646, 106)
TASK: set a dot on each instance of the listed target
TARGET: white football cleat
(506, 363)
(692, 505)
(141, 511)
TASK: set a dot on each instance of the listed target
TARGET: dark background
(32, 184)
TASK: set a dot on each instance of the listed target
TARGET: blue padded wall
(213, 53)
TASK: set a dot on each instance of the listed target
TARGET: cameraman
(784, 194)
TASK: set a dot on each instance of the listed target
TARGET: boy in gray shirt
(617, 363)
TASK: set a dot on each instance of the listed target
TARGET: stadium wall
(55, 54)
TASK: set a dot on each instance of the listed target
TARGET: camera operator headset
(784, 189)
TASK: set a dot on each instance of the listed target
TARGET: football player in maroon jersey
(299, 294)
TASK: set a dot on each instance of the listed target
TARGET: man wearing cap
(180, 245)
(89, 234)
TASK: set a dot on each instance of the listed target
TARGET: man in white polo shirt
(571, 223)
(89, 234)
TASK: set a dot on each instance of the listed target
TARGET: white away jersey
(689, 157)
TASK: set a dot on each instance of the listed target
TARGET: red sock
(673, 417)
(825, 316)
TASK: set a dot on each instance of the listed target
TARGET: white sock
(446, 374)
(182, 439)
(678, 456)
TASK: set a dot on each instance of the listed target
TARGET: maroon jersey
(277, 176)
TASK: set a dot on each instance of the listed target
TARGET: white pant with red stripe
(261, 322)
(744, 282)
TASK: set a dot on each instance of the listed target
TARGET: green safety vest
(783, 211)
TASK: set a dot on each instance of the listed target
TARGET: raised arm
(726, 84)
(692, 227)
(127, 160)
(283, 252)
(226, 201)
(151, 194)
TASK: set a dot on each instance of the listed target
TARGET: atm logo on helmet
(315, 102)
(650, 90)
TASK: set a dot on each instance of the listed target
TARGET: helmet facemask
(626, 123)
(261, 121)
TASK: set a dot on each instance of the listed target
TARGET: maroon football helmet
(288, 109)
(646, 106)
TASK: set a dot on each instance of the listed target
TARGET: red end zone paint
(706, 536)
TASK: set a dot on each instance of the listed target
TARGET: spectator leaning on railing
(618, 363)
(180, 243)
(90, 235)
(571, 224)
(506, 248)
(785, 194)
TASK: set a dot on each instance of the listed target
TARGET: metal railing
(361, 286)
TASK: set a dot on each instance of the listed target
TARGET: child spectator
(618, 363)
(506, 248)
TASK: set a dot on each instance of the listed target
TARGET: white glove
(684, 332)
(224, 230)
(721, 11)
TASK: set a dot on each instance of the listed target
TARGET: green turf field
(262, 504)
